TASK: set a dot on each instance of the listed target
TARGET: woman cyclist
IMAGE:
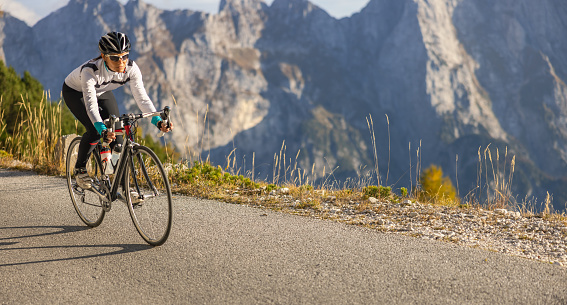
(87, 92)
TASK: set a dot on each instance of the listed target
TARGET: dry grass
(34, 144)
(35, 136)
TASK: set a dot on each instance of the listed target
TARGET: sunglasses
(116, 58)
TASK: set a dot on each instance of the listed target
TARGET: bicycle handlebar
(164, 114)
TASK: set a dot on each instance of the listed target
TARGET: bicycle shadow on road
(5, 246)
(62, 230)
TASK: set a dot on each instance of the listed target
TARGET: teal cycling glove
(155, 120)
(100, 127)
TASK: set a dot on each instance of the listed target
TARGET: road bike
(137, 171)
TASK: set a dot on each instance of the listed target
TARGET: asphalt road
(221, 253)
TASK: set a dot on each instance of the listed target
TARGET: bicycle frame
(110, 195)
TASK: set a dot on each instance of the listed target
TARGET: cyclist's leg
(108, 106)
(74, 101)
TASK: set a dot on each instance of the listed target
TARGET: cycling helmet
(114, 43)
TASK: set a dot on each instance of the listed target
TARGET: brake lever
(109, 123)
(165, 120)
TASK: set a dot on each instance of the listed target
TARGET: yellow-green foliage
(5, 154)
(207, 174)
(377, 191)
(404, 191)
(436, 187)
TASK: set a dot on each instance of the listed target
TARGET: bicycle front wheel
(87, 204)
(148, 195)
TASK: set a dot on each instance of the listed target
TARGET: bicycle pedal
(136, 198)
(137, 203)
(106, 206)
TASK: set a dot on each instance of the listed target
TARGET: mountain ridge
(431, 75)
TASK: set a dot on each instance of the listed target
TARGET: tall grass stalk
(496, 189)
(417, 170)
(547, 209)
(370, 124)
(253, 166)
(457, 174)
(3, 126)
(410, 166)
(36, 134)
(389, 149)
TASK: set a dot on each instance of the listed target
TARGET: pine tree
(14, 90)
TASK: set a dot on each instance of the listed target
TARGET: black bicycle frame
(120, 165)
(126, 156)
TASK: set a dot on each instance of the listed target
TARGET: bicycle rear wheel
(87, 204)
(148, 196)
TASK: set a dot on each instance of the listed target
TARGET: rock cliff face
(445, 77)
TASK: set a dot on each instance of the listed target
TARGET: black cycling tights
(106, 104)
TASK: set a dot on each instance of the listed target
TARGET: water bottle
(105, 156)
(115, 156)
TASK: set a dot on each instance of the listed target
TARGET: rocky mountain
(427, 82)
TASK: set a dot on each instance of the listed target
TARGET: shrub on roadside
(436, 187)
(378, 191)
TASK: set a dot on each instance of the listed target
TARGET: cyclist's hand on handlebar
(165, 127)
(108, 136)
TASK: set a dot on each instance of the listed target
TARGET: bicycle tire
(87, 204)
(146, 181)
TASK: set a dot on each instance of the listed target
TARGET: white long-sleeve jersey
(93, 78)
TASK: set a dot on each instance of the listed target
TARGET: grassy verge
(34, 144)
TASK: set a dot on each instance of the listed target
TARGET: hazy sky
(31, 11)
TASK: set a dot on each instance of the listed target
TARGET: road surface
(222, 253)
